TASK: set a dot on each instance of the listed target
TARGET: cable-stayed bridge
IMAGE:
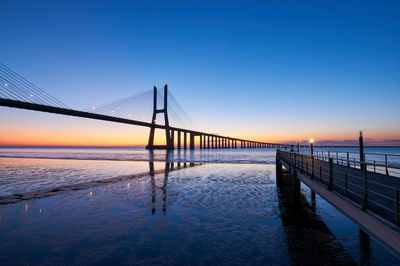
(163, 109)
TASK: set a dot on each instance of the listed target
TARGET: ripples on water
(211, 213)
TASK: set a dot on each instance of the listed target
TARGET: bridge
(17, 92)
(367, 192)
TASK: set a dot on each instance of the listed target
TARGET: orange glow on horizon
(40, 129)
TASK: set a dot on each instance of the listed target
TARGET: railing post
(307, 168)
(330, 183)
(312, 167)
(320, 173)
(387, 172)
(364, 204)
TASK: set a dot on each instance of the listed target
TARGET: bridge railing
(357, 181)
(388, 164)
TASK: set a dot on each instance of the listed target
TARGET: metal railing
(373, 186)
(388, 164)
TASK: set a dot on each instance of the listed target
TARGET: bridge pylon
(169, 142)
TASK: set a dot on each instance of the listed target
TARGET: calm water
(102, 206)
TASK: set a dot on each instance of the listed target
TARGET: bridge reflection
(169, 167)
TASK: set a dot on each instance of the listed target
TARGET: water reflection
(309, 240)
(169, 166)
(57, 176)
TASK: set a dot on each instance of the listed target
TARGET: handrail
(345, 160)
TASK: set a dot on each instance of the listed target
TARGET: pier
(368, 193)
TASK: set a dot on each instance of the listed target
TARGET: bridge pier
(185, 140)
(191, 141)
(179, 139)
(173, 139)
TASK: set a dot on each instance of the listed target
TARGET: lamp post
(312, 145)
(361, 147)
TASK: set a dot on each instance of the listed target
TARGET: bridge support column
(173, 139)
(185, 140)
(191, 141)
(179, 139)
(201, 142)
(208, 141)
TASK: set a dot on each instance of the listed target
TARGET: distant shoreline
(142, 147)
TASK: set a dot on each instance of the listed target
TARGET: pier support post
(313, 201)
(278, 166)
(365, 248)
(296, 185)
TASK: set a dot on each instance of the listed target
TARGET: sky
(274, 71)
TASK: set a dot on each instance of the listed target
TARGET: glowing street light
(312, 145)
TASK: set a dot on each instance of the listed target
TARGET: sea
(131, 206)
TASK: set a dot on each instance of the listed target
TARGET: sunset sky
(273, 71)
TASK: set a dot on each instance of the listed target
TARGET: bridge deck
(83, 114)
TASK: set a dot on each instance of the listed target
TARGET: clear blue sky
(259, 69)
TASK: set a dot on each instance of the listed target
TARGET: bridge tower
(169, 143)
